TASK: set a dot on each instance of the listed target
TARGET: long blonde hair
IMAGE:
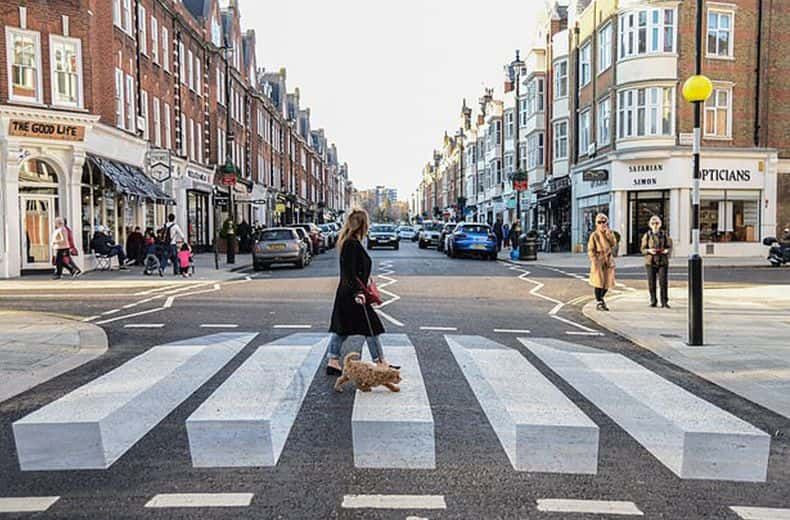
(356, 226)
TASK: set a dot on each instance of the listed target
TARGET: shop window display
(731, 216)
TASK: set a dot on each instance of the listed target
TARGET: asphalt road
(316, 468)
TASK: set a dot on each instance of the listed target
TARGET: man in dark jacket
(657, 246)
(498, 232)
(102, 244)
(135, 246)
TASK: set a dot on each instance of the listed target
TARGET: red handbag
(371, 292)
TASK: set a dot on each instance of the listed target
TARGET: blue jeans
(374, 346)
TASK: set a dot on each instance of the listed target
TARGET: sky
(386, 79)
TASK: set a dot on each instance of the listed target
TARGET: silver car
(277, 246)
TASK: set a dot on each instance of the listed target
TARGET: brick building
(118, 112)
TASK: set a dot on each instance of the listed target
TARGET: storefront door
(37, 220)
(198, 219)
(641, 206)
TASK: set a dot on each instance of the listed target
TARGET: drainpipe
(576, 97)
(758, 72)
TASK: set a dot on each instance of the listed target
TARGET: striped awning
(130, 180)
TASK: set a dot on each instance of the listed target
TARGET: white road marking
(166, 305)
(94, 425)
(91, 318)
(219, 326)
(26, 504)
(158, 289)
(246, 421)
(395, 430)
(690, 436)
(582, 333)
(167, 500)
(112, 311)
(448, 329)
(293, 326)
(144, 326)
(574, 324)
(389, 318)
(169, 302)
(513, 331)
(595, 507)
(394, 502)
(539, 428)
(761, 513)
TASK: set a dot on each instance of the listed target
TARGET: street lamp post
(696, 90)
(229, 167)
(517, 64)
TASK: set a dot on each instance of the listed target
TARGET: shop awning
(130, 180)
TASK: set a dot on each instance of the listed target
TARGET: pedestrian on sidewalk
(135, 246)
(657, 246)
(600, 250)
(62, 250)
(352, 313)
(515, 232)
(498, 233)
(172, 235)
(185, 259)
(73, 251)
(506, 236)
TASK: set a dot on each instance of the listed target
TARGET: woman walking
(656, 246)
(62, 244)
(600, 249)
(352, 313)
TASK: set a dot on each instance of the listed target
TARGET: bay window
(534, 97)
(535, 150)
(646, 31)
(24, 65)
(561, 79)
(560, 140)
(66, 64)
(645, 111)
(509, 125)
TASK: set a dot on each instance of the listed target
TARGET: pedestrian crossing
(247, 420)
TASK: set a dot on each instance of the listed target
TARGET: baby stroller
(154, 259)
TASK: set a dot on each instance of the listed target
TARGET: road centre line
(596, 507)
(451, 329)
(167, 500)
(218, 325)
(761, 513)
(394, 502)
(26, 504)
(580, 333)
(144, 325)
(513, 331)
(293, 326)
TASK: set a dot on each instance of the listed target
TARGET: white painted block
(539, 428)
(690, 436)
(93, 426)
(174, 500)
(395, 429)
(592, 507)
(246, 421)
(26, 504)
(394, 502)
(761, 513)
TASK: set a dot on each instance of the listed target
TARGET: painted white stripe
(394, 502)
(389, 318)
(595, 507)
(395, 429)
(449, 329)
(91, 318)
(26, 504)
(691, 437)
(246, 421)
(761, 513)
(513, 331)
(169, 302)
(167, 500)
(539, 428)
(293, 326)
(219, 326)
(144, 326)
(127, 316)
(113, 311)
(574, 324)
(582, 333)
(93, 426)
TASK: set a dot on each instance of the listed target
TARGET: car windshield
(277, 234)
(432, 226)
(382, 228)
(405, 228)
(475, 229)
(300, 232)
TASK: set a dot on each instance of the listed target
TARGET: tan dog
(367, 375)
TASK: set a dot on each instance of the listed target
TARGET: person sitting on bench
(103, 245)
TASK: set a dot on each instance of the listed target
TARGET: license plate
(478, 246)
(277, 247)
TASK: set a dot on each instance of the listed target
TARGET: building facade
(116, 113)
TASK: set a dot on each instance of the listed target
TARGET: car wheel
(397, 246)
(421, 245)
(301, 263)
(256, 267)
(451, 253)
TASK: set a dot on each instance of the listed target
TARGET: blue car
(472, 238)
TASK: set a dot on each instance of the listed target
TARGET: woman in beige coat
(600, 249)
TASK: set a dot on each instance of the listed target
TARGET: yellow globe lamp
(697, 88)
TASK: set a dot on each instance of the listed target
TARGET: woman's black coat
(348, 317)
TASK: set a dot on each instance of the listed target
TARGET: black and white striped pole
(696, 90)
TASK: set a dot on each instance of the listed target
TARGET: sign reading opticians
(676, 172)
(61, 132)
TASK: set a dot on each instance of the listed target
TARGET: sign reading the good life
(61, 132)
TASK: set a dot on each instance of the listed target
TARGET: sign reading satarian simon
(61, 132)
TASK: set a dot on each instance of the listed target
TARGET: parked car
(446, 230)
(383, 235)
(472, 238)
(406, 233)
(279, 245)
(429, 236)
(308, 243)
(315, 236)
(331, 235)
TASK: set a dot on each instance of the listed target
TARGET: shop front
(737, 200)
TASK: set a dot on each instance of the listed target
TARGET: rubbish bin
(528, 247)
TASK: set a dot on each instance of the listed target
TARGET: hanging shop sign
(595, 175)
(279, 207)
(61, 132)
(159, 164)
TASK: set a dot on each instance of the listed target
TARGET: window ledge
(719, 58)
(22, 102)
(716, 138)
(648, 56)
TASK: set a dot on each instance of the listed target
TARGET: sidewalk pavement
(133, 277)
(36, 347)
(746, 331)
(580, 260)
